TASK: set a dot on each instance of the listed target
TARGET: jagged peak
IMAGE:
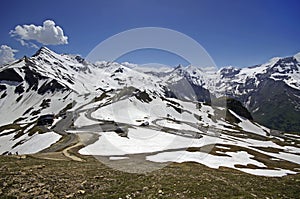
(42, 50)
(229, 68)
(80, 59)
(194, 70)
(179, 67)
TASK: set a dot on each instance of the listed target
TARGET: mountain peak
(42, 50)
(273, 60)
(179, 67)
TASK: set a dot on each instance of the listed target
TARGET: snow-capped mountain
(270, 91)
(159, 114)
(60, 79)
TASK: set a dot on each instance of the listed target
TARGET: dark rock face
(45, 103)
(276, 105)
(19, 89)
(202, 94)
(237, 107)
(119, 70)
(2, 87)
(45, 119)
(143, 96)
(3, 95)
(31, 76)
(79, 59)
(234, 105)
(184, 89)
(10, 75)
(51, 86)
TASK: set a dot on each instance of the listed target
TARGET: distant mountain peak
(275, 59)
(179, 67)
(297, 56)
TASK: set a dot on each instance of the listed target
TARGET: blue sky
(234, 32)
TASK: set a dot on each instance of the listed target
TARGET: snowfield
(30, 144)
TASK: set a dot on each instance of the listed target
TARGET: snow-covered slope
(61, 79)
(157, 112)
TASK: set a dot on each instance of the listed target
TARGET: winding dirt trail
(71, 156)
(61, 150)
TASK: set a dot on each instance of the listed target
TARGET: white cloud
(209, 69)
(48, 34)
(7, 54)
(129, 65)
(27, 44)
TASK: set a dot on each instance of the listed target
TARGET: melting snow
(212, 161)
(267, 172)
(31, 144)
(247, 125)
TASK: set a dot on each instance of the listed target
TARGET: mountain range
(270, 91)
(250, 115)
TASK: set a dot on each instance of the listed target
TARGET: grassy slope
(32, 177)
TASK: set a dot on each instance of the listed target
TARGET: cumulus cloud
(48, 34)
(7, 54)
(27, 44)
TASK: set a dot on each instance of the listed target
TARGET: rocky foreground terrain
(36, 177)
